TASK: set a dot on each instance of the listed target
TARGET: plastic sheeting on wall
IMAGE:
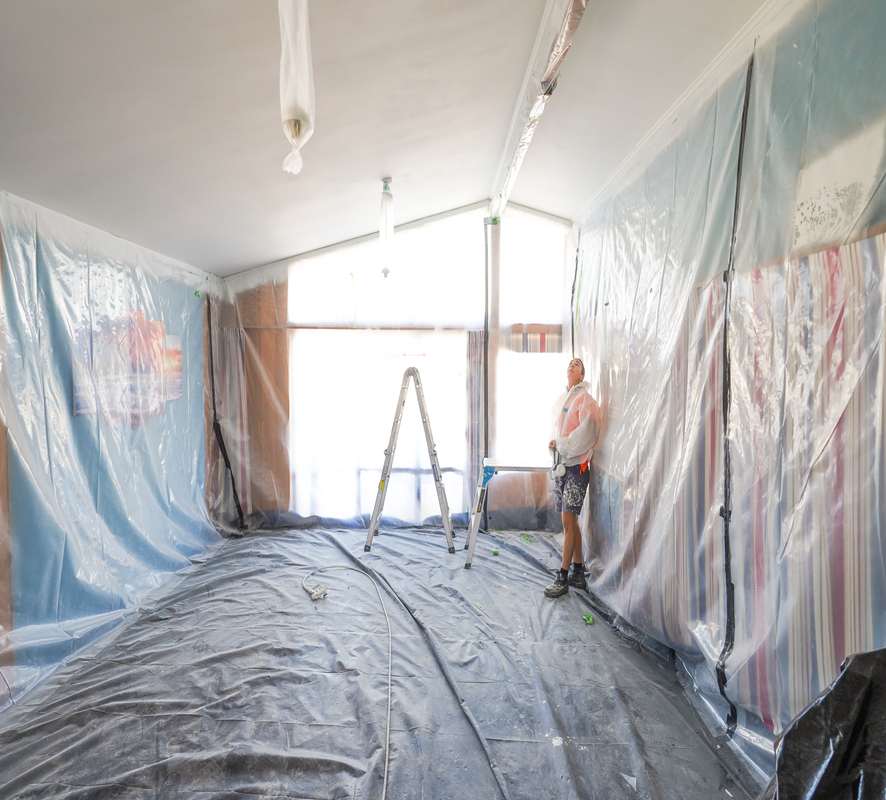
(309, 359)
(649, 324)
(807, 320)
(800, 384)
(102, 396)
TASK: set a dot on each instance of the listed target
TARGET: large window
(359, 318)
(530, 364)
(344, 386)
(433, 276)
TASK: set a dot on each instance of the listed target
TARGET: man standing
(576, 424)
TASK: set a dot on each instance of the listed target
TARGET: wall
(102, 393)
(738, 493)
(5, 551)
(251, 371)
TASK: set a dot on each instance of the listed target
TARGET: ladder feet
(451, 549)
(467, 566)
(366, 548)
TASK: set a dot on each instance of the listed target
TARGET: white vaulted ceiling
(159, 121)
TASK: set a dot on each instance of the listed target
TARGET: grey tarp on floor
(233, 683)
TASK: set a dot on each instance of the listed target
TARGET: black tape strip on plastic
(726, 510)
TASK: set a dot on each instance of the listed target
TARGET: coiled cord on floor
(316, 593)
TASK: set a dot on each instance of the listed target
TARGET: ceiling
(159, 121)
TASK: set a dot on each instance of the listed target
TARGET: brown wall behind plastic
(261, 313)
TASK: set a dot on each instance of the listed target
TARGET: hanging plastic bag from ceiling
(296, 80)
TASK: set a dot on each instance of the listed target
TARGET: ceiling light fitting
(296, 79)
(386, 225)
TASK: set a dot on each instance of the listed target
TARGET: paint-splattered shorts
(571, 488)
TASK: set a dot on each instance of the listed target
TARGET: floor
(234, 683)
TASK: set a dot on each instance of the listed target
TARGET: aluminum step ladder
(412, 373)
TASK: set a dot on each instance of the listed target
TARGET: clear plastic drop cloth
(807, 325)
(233, 682)
(731, 332)
(102, 398)
(737, 506)
(649, 326)
(250, 397)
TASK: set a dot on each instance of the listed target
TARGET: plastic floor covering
(235, 684)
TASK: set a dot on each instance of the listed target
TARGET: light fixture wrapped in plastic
(296, 79)
(555, 37)
(386, 224)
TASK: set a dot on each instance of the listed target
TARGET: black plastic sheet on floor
(836, 749)
(235, 684)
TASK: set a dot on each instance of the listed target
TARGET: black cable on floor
(444, 668)
(453, 685)
(317, 593)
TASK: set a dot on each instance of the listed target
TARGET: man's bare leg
(571, 556)
(571, 540)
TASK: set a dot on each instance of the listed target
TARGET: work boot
(577, 576)
(560, 586)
